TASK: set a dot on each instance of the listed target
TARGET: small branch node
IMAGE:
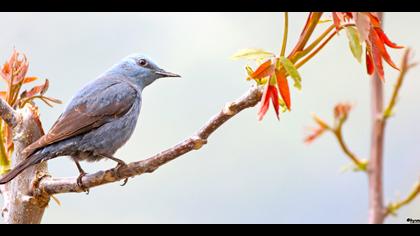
(198, 142)
(229, 109)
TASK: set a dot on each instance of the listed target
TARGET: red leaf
(315, 133)
(283, 86)
(376, 40)
(377, 61)
(264, 70)
(374, 19)
(336, 20)
(5, 72)
(386, 40)
(275, 100)
(264, 103)
(369, 63)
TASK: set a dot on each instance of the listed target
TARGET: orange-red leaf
(377, 61)
(40, 89)
(386, 40)
(342, 110)
(270, 93)
(283, 86)
(5, 72)
(264, 70)
(314, 134)
(376, 41)
(374, 19)
(336, 20)
(369, 63)
(29, 79)
(264, 102)
(275, 100)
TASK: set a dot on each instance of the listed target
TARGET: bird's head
(140, 70)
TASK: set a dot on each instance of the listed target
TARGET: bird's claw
(120, 165)
(80, 183)
(125, 182)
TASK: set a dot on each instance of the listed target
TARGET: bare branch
(405, 67)
(375, 166)
(48, 185)
(360, 164)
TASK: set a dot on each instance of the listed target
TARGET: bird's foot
(80, 182)
(118, 167)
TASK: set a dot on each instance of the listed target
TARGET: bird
(99, 119)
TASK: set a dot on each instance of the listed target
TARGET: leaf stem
(394, 207)
(361, 165)
(285, 34)
(309, 28)
(313, 44)
(404, 69)
(311, 55)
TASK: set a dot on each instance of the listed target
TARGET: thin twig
(394, 207)
(338, 133)
(405, 67)
(285, 33)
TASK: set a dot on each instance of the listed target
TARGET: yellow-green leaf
(292, 71)
(322, 21)
(283, 105)
(354, 43)
(252, 54)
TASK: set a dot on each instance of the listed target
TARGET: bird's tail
(28, 162)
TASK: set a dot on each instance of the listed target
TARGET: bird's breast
(111, 136)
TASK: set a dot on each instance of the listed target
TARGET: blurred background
(250, 171)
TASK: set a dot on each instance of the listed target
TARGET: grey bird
(99, 119)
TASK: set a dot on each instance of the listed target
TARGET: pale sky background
(250, 171)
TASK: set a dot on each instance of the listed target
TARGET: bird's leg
(79, 179)
(120, 164)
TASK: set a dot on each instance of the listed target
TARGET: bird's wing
(93, 106)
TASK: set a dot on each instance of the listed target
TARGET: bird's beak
(166, 73)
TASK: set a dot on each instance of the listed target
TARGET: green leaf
(292, 71)
(252, 54)
(354, 43)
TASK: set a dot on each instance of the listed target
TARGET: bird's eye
(142, 62)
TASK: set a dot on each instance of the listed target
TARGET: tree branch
(19, 206)
(8, 114)
(394, 207)
(375, 166)
(405, 67)
(49, 185)
(360, 164)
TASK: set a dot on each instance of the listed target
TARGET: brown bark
(375, 166)
(19, 206)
